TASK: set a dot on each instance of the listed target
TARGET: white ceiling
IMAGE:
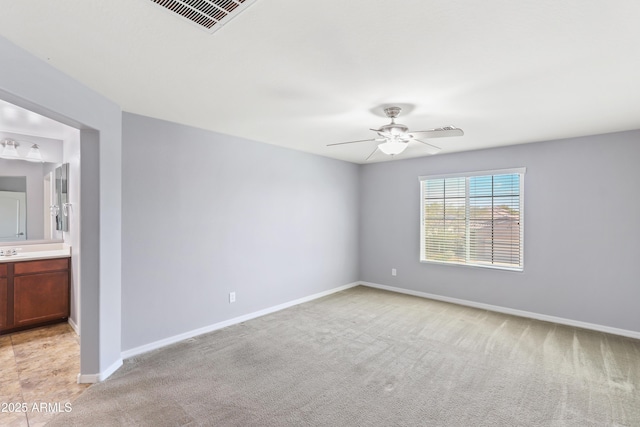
(304, 74)
(27, 128)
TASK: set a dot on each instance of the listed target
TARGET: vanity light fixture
(34, 154)
(10, 152)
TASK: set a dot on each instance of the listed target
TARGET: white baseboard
(74, 326)
(110, 370)
(514, 312)
(88, 378)
(96, 378)
(181, 337)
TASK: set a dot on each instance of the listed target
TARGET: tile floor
(38, 372)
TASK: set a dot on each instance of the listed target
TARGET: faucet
(9, 251)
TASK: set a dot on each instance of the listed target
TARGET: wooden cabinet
(40, 298)
(35, 293)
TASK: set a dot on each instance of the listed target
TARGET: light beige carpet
(365, 357)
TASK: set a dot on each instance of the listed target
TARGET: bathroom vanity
(34, 289)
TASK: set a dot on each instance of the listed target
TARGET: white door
(13, 216)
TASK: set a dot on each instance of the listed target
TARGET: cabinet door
(40, 297)
(4, 289)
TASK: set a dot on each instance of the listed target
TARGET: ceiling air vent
(210, 15)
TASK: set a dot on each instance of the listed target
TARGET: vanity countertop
(35, 252)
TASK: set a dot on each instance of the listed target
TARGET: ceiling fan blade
(370, 155)
(439, 132)
(352, 142)
(432, 148)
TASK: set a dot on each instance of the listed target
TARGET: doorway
(59, 344)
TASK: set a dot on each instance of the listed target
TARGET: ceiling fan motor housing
(394, 129)
(392, 112)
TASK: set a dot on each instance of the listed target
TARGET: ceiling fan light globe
(391, 148)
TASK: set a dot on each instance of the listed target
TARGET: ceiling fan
(394, 137)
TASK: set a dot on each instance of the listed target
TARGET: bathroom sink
(35, 252)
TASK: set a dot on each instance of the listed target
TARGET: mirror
(27, 194)
(61, 207)
(13, 209)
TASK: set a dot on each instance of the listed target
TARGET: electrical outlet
(232, 297)
(393, 272)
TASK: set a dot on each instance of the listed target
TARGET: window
(473, 219)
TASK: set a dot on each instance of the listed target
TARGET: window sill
(491, 267)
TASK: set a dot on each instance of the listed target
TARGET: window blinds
(474, 219)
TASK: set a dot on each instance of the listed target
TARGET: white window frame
(521, 171)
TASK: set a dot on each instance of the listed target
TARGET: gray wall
(37, 86)
(581, 250)
(206, 214)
